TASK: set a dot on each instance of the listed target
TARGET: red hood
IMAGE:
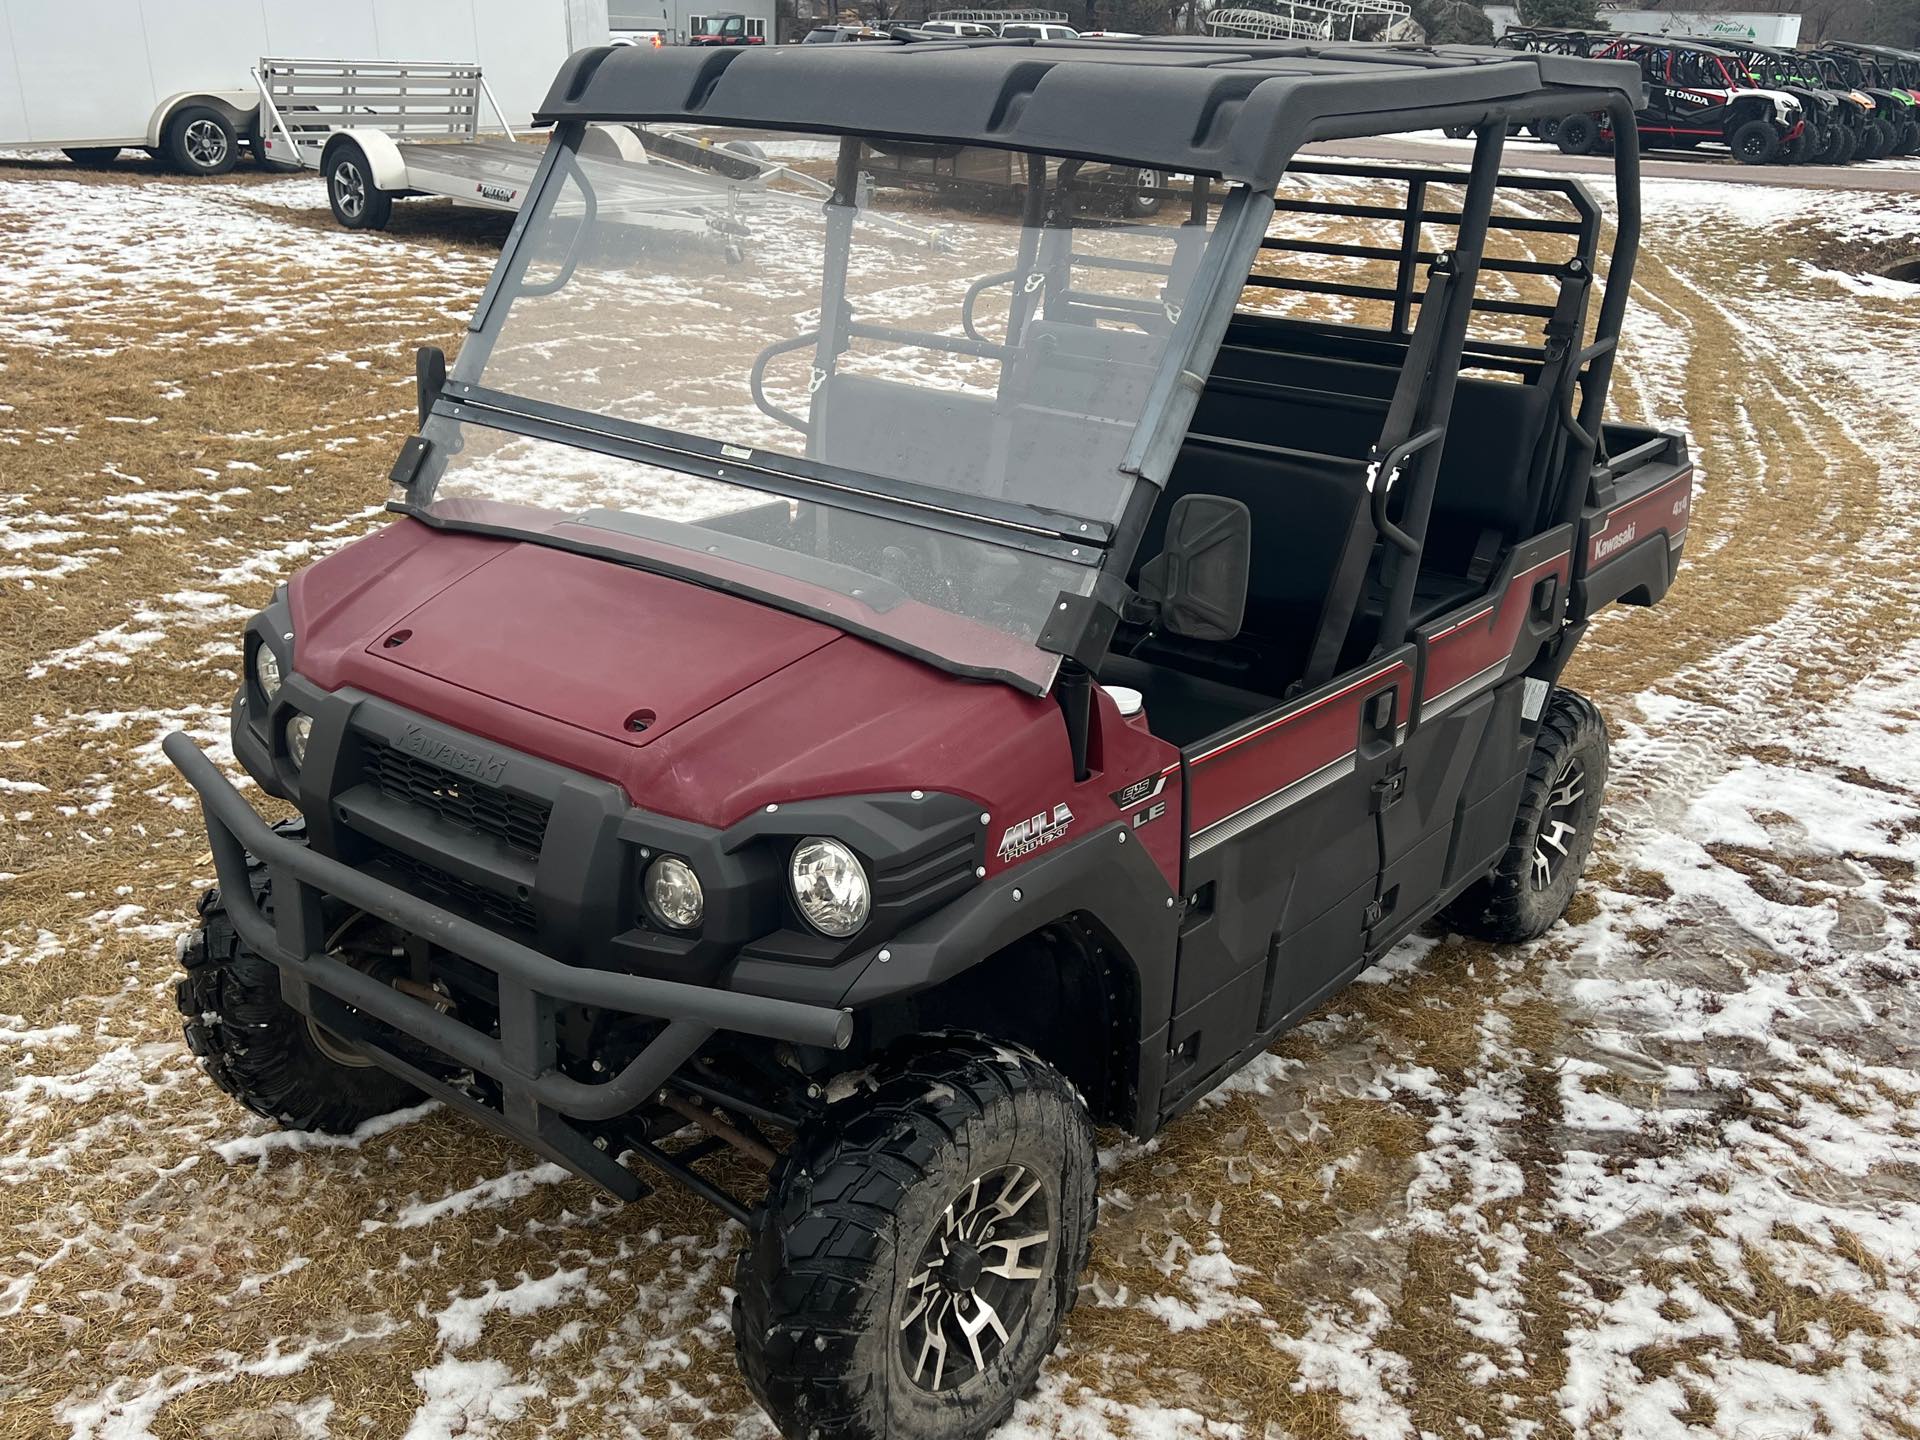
(550, 652)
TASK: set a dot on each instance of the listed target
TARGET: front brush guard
(537, 1101)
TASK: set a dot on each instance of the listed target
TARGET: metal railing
(304, 101)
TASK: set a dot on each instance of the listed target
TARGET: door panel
(1467, 741)
(1283, 859)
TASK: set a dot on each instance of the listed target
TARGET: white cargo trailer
(93, 77)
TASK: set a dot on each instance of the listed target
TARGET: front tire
(1553, 830)
(201, 141)
(256, 1047)
(1754, 143)
(1577, 135)
(919, 1248)
(355, 200)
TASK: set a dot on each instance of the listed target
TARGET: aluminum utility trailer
(366, 124)
(379, 130)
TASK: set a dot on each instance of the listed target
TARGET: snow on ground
(1658, 1174)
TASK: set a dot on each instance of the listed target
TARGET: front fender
(1107, 876)
(383, 156)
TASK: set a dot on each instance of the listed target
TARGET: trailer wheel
(260, 1050)
(919, 1248)
(1147, 195)
(1754, 143)
(1553, 831)
(1577, 135)
(201, 141)
(357, 202)
(93, 157)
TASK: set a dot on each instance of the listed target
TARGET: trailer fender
(239, 106)
(615, 142)
(383, 156)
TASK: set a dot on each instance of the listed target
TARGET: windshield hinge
(1081, 627)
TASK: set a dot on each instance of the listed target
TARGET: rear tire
(1457, 132)
(200, 141)
(355, 200)
(1577, 135)
(1909, 139)
(259, 1049)
(1755, 143)
(1553, 830)
(93, 157)
(865, 1307)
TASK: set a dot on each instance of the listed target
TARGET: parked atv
(1886, 132)
(1895, 73)
(1698, 94)
(1822, 141)
(887, 720)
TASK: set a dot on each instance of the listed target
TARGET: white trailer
(93, 77)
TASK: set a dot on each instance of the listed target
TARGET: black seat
(1308, 513)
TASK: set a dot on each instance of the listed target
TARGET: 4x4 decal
(1029, 835)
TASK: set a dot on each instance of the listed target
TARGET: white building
(1752, 27)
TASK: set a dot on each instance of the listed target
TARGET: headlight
(266, 669)
(299, 728)
(829, 886)
(673, 893)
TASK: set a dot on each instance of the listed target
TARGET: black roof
(1228, 107)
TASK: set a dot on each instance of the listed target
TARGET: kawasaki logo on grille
(489, 768)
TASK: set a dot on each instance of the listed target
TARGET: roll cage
(1018, 97)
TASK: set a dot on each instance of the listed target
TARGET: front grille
(473, 805)
(431, 882)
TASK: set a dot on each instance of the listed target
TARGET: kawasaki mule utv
(886, 714)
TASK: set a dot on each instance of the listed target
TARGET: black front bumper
(538, 1101)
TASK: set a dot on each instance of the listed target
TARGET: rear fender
(1632, 532)
(239, 106)
(383, 156)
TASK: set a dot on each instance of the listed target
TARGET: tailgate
(1635, 522)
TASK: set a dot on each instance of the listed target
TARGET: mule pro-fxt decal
(1023, 837)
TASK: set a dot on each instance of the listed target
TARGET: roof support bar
(1482, 181)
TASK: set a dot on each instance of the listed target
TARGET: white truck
(94, 77)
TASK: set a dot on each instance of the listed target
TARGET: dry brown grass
(149, 1252)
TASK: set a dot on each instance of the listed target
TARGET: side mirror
(1198, 581)
(429, 378)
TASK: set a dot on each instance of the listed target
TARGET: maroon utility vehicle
(954, 680)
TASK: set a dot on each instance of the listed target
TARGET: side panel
(1282, 863)
(13, 106)
(203, 44)
(338, 30)
(82, 70)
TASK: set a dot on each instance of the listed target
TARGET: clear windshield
(924, 348)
